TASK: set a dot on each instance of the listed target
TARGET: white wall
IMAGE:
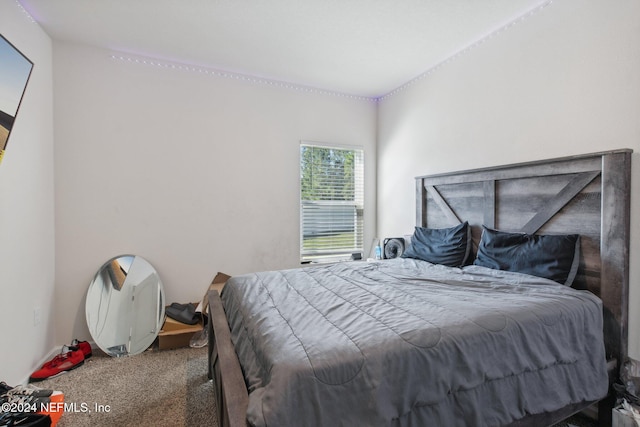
(564, 81)
(27, 209)
(195, 173)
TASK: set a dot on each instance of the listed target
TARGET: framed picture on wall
(15, 70)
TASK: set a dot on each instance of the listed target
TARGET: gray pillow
(554, 257)
(446, 246)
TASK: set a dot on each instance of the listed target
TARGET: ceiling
(358, 47)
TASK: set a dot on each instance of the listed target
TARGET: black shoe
(29, 390)
(4, 388)
(185, 313)
(30, 403)
(10, 419)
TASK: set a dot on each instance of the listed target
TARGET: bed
(412, 342)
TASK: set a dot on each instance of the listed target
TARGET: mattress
(404, 342)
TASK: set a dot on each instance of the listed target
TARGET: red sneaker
(61, 363)
(83, 346)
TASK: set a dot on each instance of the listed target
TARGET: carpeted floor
(155, 388)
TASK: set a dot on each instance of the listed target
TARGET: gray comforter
(405, 342)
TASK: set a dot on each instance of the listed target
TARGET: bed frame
(587, 195)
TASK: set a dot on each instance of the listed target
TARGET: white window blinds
(331, 201)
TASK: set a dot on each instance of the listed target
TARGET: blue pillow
(446, 246)
(554, 257)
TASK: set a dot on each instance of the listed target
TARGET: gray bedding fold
(403, 342)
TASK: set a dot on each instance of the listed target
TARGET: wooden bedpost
(614, 276)
(224, 368)
(614, 287)
(421, 199)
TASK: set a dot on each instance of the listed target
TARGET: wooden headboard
(587, 195)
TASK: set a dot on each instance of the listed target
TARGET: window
(331, 202)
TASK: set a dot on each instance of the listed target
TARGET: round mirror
(125, 306)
